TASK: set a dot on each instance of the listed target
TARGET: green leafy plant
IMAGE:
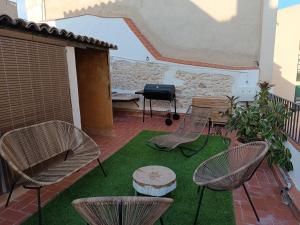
(233, 104)
(263, 120)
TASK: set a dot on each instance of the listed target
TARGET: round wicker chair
(122, 210)
(230, 169)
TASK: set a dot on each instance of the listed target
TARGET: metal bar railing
(291, 125)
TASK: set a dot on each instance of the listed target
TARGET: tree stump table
(154, 181)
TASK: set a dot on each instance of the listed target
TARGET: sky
(282, 4)
(21, 9)
(287, 3)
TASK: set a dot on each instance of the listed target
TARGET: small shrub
(263, 120)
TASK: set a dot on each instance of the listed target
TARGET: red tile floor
(263, 188)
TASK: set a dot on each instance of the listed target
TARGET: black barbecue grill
(163, 92)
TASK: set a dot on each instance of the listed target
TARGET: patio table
(154, 180)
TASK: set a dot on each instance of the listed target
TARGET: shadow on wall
(181, 29)
(282, 87)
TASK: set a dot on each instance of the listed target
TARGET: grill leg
(199, 204)
(10, 193)
(101, 167)
(175, 105)
(144, 110)
(150, 108)
(248, 196)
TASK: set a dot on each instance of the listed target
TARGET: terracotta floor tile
(6, 222)
(263, 188)
(13, 215)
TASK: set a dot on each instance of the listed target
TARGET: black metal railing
(292, 125)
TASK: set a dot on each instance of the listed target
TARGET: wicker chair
(122, 210)
(190, 129)
(46, 153)
(230, 169)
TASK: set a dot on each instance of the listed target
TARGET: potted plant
(263, 120)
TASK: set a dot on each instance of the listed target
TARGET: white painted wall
(9, 8)
(286, 52)
(268, 31)
(113, 30)
(295, 174)
(116, 31)
(71, 61)
(214, 31)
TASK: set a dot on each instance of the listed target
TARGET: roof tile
(43, 28)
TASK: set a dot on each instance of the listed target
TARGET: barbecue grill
(162, 92)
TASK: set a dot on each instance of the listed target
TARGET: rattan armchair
(230, 169)
(46, 153)
(190, 129)
(122, 210)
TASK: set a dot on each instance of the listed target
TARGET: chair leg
(10, 193)
(209, 125)
(101, 167)
(144, 110)
(189, 152)
(248, 196)
(38, 191)
(198, 190)
(150, 108)
(161, 221)
(199, 204)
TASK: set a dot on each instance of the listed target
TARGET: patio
(71, 80)
(263, 187)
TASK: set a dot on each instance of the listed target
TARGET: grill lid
(159, 91)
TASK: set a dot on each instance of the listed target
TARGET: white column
(70, 53)
(268, 31)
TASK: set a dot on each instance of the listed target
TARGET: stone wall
(130, 76)
(196, 84)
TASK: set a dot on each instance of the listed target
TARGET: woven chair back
(231, 168)
(26, 147)
(121, 210)
(194, 121)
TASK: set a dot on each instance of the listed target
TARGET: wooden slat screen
(34, 84)
(34, 87)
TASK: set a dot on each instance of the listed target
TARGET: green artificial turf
(217, 207)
